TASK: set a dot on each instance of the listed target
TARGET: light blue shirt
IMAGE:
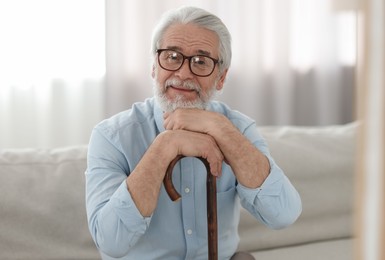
(176, 230)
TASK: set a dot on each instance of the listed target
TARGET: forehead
(191, 39)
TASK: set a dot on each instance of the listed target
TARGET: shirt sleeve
(113, 218)
(276, 203)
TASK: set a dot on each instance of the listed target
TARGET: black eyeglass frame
(216, 61)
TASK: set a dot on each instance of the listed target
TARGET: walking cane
(211, 189)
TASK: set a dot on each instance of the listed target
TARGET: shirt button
(187, 190)
(189, 231)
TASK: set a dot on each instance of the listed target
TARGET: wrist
(163, 146)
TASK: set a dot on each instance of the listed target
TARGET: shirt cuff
(272, 185)
(125, 208)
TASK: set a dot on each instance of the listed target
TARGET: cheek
(207, 84)
(161, 75)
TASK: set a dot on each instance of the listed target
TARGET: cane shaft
(211, 193)
(212, 226)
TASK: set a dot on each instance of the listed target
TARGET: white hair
(201, 18)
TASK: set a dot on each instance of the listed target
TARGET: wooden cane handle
(167, 181)
(211, 190)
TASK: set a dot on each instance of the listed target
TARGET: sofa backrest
(42, 205)
(42, 201)
(320, 162)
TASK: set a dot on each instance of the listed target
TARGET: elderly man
(129, 212)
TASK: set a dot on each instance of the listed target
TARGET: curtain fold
(58, 114)
(51, 71)
(66, 65)
(293, 61)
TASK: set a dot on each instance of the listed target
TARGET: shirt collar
(158, 114)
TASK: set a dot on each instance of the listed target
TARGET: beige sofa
(42, 206)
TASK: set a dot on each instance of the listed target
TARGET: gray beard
(167, 105)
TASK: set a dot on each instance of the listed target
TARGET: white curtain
(293, 60)
(52, 66)
(67, 64)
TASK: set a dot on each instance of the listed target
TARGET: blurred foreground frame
(370, 111)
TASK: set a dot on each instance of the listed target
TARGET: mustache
(186, 84)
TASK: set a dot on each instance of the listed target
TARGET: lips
(182, 86)
(182, 89)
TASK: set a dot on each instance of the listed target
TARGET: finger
(220, 169)
(166, 115)
(216, 163)
(166, 120)
(216, 168)
(167, 123)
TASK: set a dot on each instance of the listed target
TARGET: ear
(221, 80)
(153, 72)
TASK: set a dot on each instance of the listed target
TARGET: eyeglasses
(200, 65)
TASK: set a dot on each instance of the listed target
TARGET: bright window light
(269, 39)
(47, 39)
(347, 37)
(303, 35)
(310, 37)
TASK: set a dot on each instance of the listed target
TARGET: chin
(169, 105)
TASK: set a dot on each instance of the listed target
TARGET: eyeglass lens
(199, 65)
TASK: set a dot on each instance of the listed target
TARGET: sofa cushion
(42, 208)
(42, 205)
(319, 161)
(341, 249)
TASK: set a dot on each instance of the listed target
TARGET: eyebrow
(201, 52)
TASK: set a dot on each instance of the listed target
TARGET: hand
(196, 120)
(145, 180)
(194, 144)
(249, 165)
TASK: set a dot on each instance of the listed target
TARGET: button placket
(188, 206)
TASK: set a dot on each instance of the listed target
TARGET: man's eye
(200, 61)
(173, 57)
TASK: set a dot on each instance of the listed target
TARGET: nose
(184, 72)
